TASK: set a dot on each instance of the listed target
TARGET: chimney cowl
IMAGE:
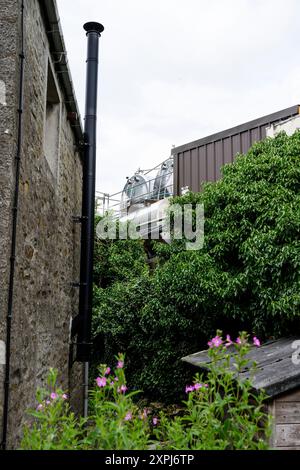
(93, 27)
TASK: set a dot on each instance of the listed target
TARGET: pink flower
(215, 342)
(205, 385)
(238, 340)
(189, 388)
(40, 407)
(101, 381)
(197, 386)
(122, 389)
(107, 372)
(120, 365)
(65, 396)
(48, 402)
(256, 341)
(111, 383)
(154, 421)
(53, 396)
(128, 417)
(228, 341)
(116, 379)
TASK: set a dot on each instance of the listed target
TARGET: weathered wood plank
(271, 412)
(290, 396)
(287, 448)
(277, 380)
(287, 435)
(287, 413)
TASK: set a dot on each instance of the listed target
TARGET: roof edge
(264, 120)
(54, 32)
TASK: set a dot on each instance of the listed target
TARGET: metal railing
(118, 203)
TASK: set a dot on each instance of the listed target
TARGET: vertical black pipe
(93, 31)
(13, 239)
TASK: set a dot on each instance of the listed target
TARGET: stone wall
(48, 241)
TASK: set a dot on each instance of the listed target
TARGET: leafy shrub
(252, 225)
(53, 426)
(117, 260)
(246, 277)
(114, 421)
(221, 413)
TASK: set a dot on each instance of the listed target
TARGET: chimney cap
(93, 27)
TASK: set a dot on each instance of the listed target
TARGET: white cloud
(174, 71)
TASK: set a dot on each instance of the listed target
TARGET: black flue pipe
(93, 32)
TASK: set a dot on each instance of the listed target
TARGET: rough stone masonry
(48, 240)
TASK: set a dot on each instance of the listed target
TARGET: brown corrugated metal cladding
(201, 160)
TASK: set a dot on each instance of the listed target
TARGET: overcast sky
(172, 71)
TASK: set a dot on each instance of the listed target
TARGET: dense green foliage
(219, 414)
(245, 277)
(118, 260)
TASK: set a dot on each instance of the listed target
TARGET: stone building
(44, 130)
